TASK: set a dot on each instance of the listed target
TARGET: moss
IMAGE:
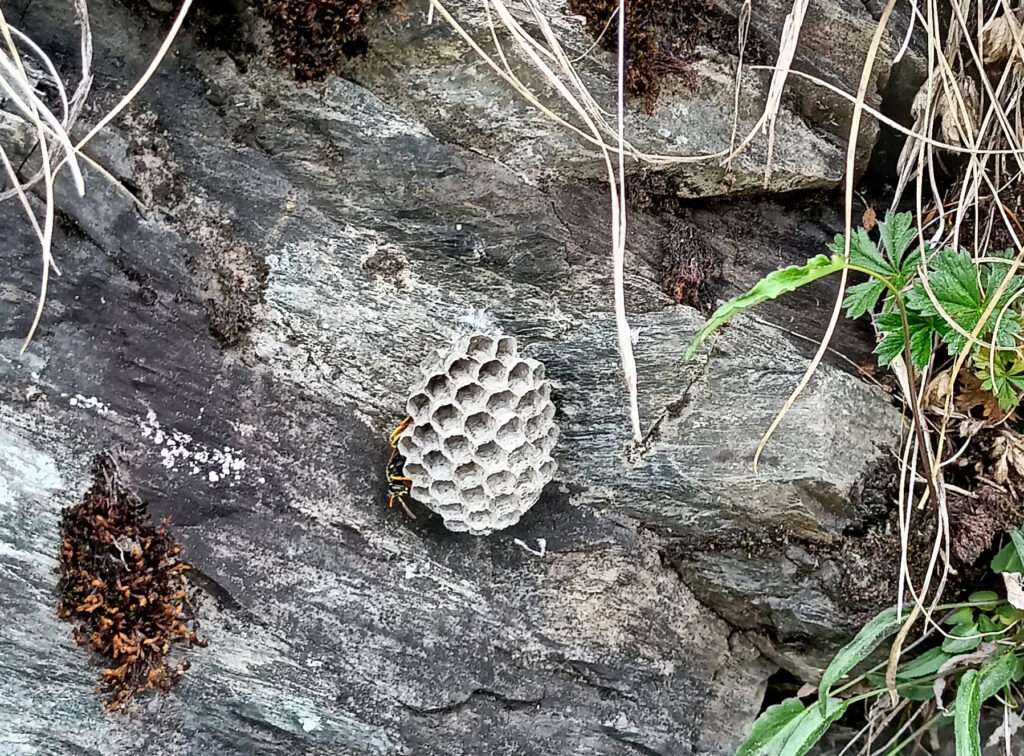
(690, 268)
(311, 36)
(661, 37)
(121, 580)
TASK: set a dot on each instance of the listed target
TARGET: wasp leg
(401, 500)
(393, 438)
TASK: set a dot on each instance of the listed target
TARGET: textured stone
(429, 72)
(338, 239)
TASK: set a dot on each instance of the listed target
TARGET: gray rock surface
(430, 72)
(249, 339)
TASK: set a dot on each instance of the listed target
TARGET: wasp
(398, 483)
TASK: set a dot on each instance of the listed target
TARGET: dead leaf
(870, 219)
(1014, 590)
(973, 396)
(997, 38)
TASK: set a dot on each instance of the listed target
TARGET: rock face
(250, 337)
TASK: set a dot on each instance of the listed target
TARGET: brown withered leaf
(973, 396)
(870, 219)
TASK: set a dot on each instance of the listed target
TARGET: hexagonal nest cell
(483, 428)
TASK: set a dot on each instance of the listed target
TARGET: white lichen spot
(178, 448)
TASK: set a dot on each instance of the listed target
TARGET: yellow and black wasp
(398, 483)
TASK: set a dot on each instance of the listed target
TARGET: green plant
(981, 655)
(936, 297)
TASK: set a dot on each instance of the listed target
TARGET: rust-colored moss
(661, 37)
(122, 582)
(690, 268)
(311, 36)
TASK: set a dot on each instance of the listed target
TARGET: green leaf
(890, 346)
(965, 718)
(960, 641)
(862, 298)
(771, 722)
(984, 599)
(853, 653)
(897, 232)
(863, 253)
(925, 665)
(960, 616)
(997, 675)
(769, 287)
(1009, 558)
(812, 725)
(1006, 614)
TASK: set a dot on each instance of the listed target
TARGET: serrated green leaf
(812, 725)
(961, 640)
(890, 346)
(862, 298)
(897, 232)
(1007, 560)
(863, 253)
(853, 653)
(769, 287)
(925, 665)
(965, 718)
(771, 722)
(997, 675)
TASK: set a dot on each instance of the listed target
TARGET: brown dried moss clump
(122, 581)
(661, 37)
(310, 36)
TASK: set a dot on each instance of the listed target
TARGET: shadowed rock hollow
(249, 340)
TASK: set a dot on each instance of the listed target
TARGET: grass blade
(769, 287)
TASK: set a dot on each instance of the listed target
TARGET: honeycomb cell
(538, 374)
(439, 386)
(490, 455)
(510, 434)
(547, 469)
(529, 403)
(492, 374)
(458, 449)
(506, 347)
(519, 377)
(463, 369)
(417, 405)
(475, 499)
(468, 475)
(548, 413)
(446, 418)
(470, 396)
(535, 427)
(425, 436)
(414, 469)
(444, 491)
(481, 346)
(501, 483)
(501, 402)
(479, 426)
(438, 464)
(524, 455)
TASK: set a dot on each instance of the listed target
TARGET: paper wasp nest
(478, 449)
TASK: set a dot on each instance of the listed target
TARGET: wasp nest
(478, 448)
